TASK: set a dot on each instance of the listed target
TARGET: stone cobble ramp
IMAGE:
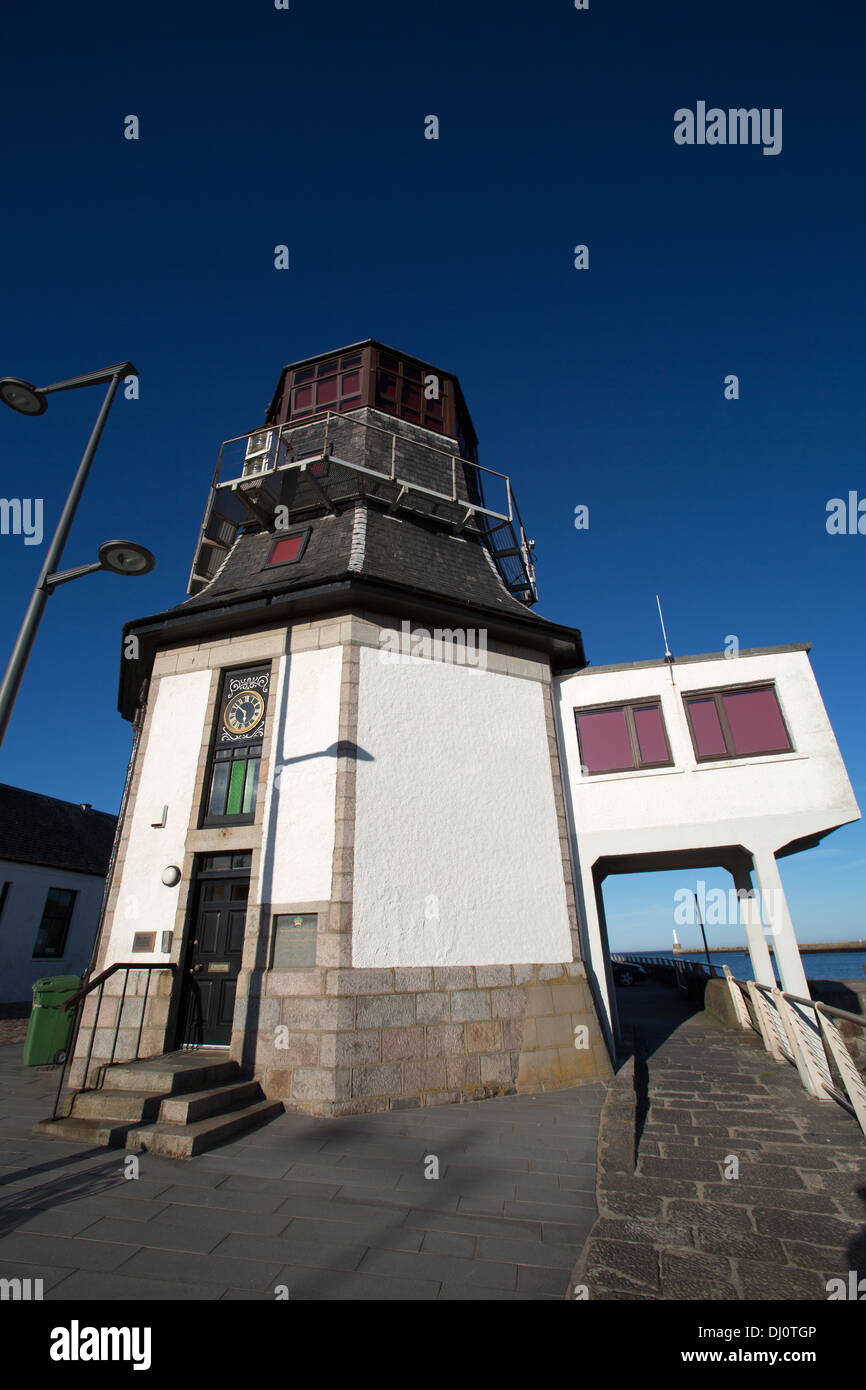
(673, 1226)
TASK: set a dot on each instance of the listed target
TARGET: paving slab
(331, 1208)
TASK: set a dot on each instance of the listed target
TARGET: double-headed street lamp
(121, 557)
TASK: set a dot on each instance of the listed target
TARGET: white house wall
(20, 919)
(457, 855)
(168, 774)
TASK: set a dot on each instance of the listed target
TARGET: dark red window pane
(387, 387)
(413, 373)
(303, 398)
(327, 368)
(411, 395)
(604, 741)
(650, 734)
(756, 721)
(351, 384)
(709, 739)
(434, 409)
(434, 425)
(350, 361)
(390, 362)
(286, 550)
(306, 374)
(326, 391)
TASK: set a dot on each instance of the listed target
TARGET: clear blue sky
(605, 387)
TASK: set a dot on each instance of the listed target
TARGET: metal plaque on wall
(295, 940)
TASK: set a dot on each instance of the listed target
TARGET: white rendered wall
(762, 803)
(457, 852)
(20, 919)
(298, 844)
(168, 771)
(766, 800)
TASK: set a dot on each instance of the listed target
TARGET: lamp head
(125, 557)
(21, 396)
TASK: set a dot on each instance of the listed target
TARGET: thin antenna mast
(669, 656)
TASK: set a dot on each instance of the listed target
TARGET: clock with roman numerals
(244, 712)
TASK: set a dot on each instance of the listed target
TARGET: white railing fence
(804, 1033)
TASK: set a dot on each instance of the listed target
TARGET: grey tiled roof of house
(37, 829)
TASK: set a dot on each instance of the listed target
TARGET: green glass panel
(236, 788)
(250, 787)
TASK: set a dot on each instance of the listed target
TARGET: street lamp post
(122, 557)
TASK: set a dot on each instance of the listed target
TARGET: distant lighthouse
(678, 950)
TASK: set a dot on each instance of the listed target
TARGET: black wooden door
(214, 961)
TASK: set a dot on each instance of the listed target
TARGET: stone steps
(100, 1133)
(135, 1106)
(187, 1140)
(172, 1074)
(201, 1105)
(177, 1105)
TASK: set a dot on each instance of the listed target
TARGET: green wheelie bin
(50, 1024)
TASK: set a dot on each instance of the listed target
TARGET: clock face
(244, 712)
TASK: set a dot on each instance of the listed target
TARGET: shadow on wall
(345, 748)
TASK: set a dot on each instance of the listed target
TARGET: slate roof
(36, 829)
(409, 552)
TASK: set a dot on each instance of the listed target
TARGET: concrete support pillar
(750, 920)
(779, 925)
(598, 965)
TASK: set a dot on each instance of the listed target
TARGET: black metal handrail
(77, 1001)
(675, 962)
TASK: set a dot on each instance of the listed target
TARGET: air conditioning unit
(257, 457)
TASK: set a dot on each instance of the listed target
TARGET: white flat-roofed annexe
(694, 762)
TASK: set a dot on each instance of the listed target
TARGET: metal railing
(687, 975)
(78, 1000)
(356, 445)
(815, 1046)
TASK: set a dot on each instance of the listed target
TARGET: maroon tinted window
(289, 549)
(622, 738)
(738, 723)
(604, 742)
(756, 722)
(387, 387)
(709, 739)
(651, 741)
(334, 389)
(401, 390)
